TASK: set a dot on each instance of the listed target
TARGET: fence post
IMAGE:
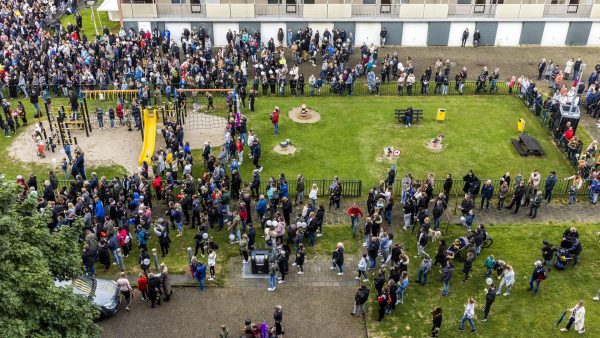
(155, 258)
(121, 261)
(189, 251)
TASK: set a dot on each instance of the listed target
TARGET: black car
(105, 293)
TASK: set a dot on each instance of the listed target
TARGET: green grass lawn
(518, 315)
(349, 139)
(88, 24)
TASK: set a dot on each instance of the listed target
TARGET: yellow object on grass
(521, 125)
(441, 115)
(149, 136)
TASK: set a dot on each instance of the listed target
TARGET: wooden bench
(401, 114)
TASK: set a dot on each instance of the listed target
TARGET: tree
(31, 259)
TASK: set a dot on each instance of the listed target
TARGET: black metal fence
(360, 87)
(350, 188)
(561, 187)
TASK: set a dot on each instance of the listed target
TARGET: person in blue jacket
(99, 210)
(550, 183)
(200, 274)
(487, 192)
(261, 206)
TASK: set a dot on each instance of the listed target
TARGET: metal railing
(561, 188)
(376, 10)
(472, 10)
(179, 10)
(360, 88)
(570, 10)
(288, 10)
(350, 188)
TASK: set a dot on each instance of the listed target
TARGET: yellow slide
(149, 136)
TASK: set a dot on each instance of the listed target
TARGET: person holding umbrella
(577, 317)
(490, 297)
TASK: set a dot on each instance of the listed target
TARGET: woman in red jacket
(275, 120)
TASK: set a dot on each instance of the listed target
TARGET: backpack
(381, 299)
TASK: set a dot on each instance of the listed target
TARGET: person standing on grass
(125, 288)
(256, 152)
(436, 318)
(489, 264)
(490, 297)
(468, 316)
(275, 120)
(401, 288)
(212, 259)
(508, 279)
(447, 271)
(382, 301)
(577, 317)
(537, 276)
(468, 266)
(355, 213)
(424, 269)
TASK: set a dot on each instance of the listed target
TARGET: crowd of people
(42, 59)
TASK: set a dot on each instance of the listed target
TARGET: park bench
(401, 114)
(527, 145)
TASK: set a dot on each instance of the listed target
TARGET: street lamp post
(91, 3)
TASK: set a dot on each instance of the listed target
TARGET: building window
(274, 2)
(178, 2)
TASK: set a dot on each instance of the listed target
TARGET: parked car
(104, 292)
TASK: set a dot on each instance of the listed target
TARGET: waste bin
(260, 262)
(521, 125)
(441, 115)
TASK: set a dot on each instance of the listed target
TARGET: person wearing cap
(548, 251)
(537, 276)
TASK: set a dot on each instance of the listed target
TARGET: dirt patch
(105, 147)
(389, 154)
(289, 150)
(304, 114)
(436, 144)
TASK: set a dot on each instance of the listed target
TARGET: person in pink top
(126, 290)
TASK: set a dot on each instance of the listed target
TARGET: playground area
(98, 140)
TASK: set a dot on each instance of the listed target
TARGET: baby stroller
(562, 258)
(460, 245)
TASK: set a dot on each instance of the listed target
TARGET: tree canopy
(31, 259)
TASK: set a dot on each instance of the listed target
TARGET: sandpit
(289, 150)
(436, 144)
(389, 154)
(309, 116)
(106, 147)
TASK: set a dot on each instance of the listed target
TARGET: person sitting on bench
(408, 117)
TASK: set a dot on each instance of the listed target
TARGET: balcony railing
(376, 10)
(578, 11)
(285, 10)
(180, 10)
(488, 10)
